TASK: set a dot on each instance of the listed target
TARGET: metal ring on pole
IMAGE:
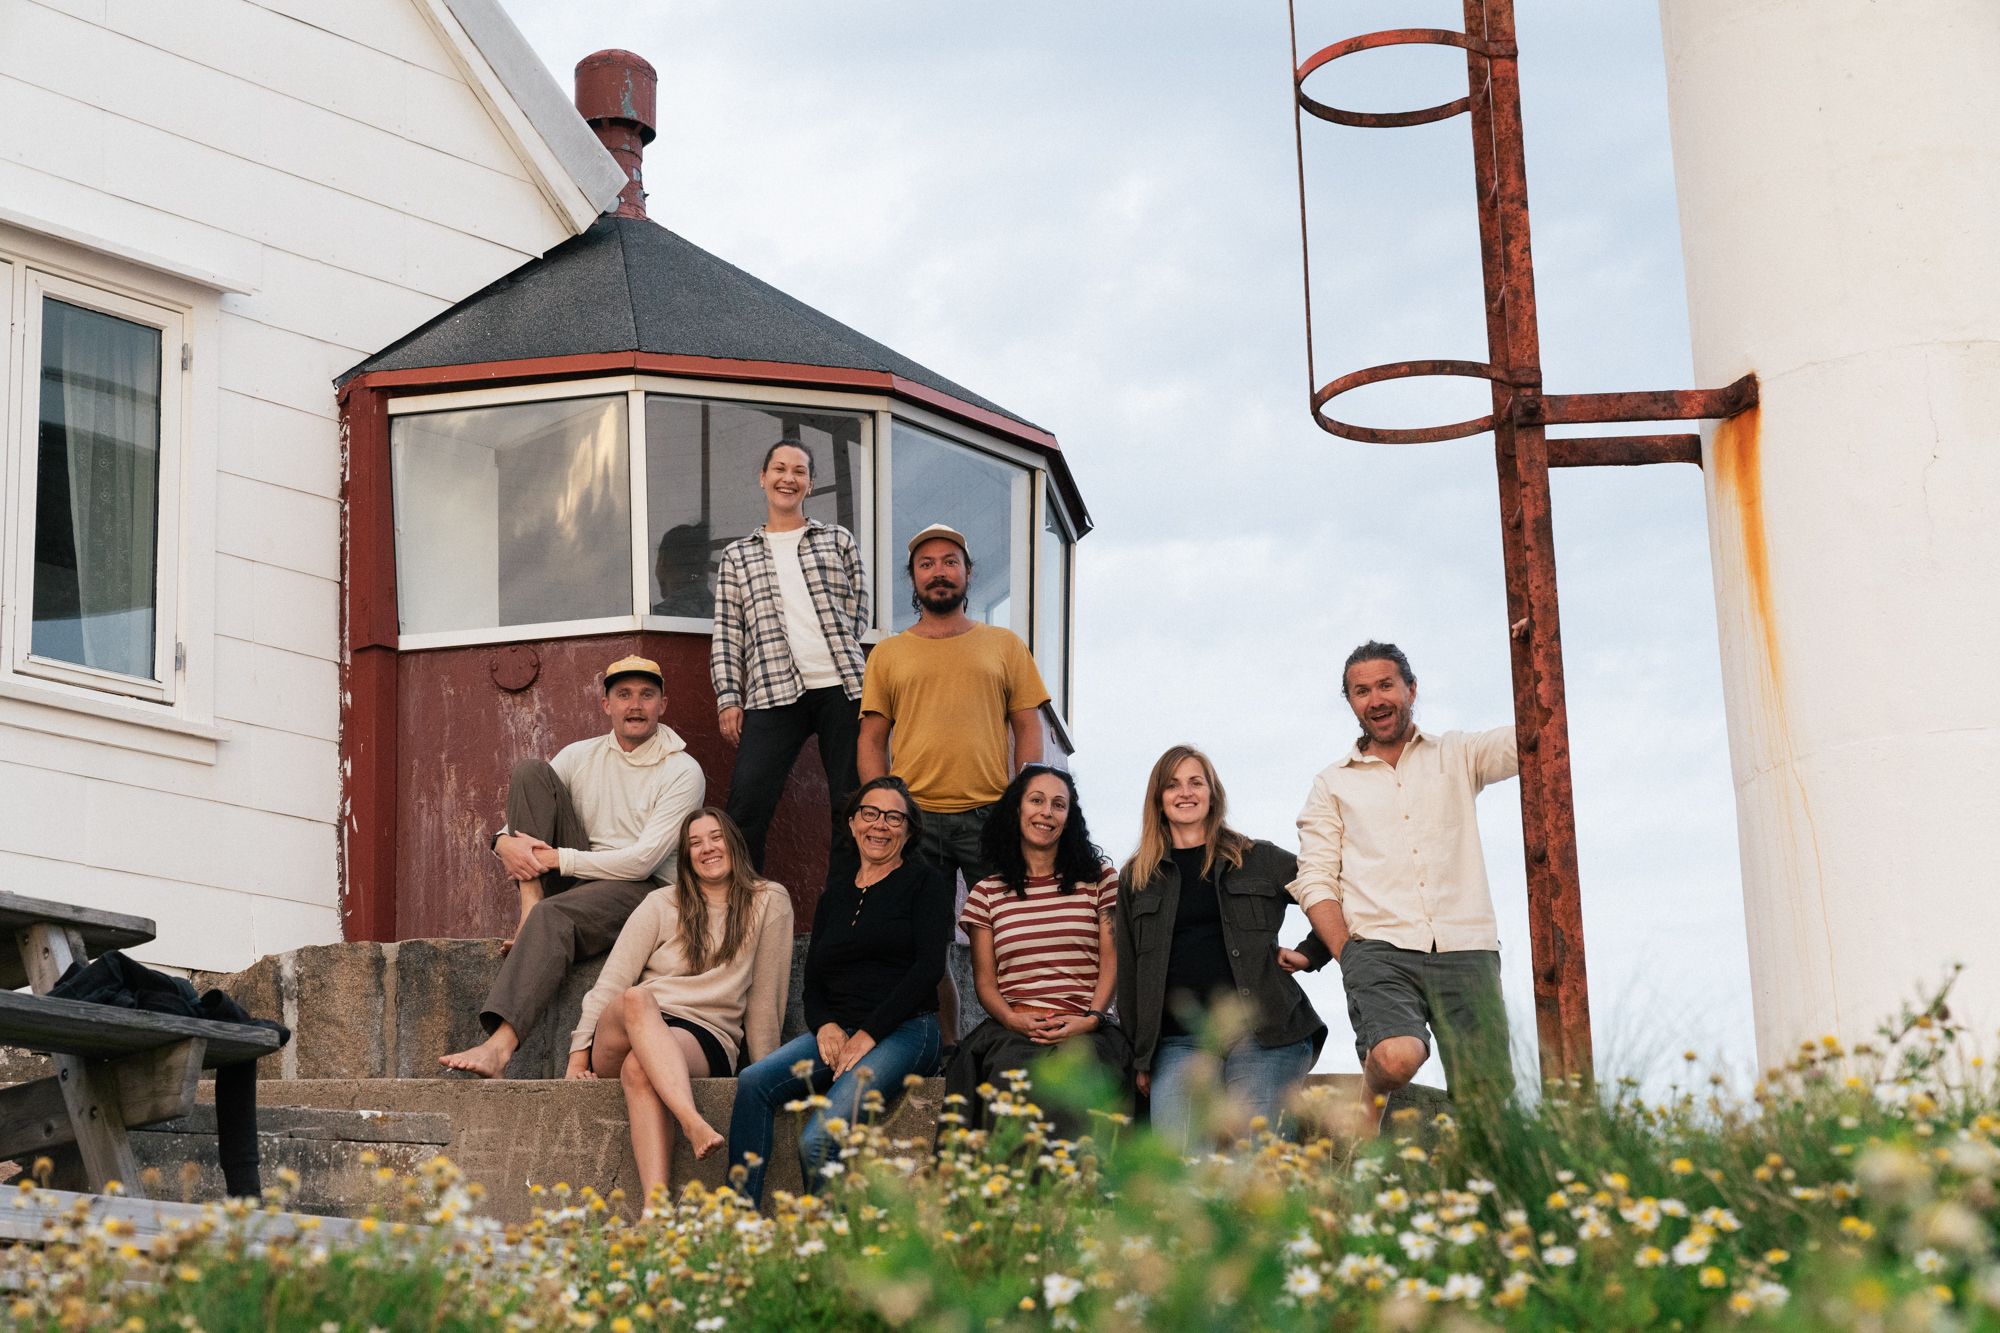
(1400, 370)
(1384, 120)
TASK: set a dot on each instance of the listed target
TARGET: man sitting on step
(588, 836)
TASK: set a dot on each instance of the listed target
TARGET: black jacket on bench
(113, 979)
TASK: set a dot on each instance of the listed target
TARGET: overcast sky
(1088, 212)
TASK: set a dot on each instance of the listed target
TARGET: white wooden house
(208, 210)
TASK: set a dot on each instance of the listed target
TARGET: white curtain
(107, 373)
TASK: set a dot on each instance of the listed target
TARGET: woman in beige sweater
(698, 978)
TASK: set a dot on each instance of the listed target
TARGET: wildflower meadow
(1853, 1189)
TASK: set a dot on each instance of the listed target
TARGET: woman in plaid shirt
(791, 604)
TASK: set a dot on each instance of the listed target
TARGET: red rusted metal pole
(1541, 714)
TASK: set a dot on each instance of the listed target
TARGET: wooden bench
(115, 1068)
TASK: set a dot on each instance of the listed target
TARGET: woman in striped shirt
(1043, 960)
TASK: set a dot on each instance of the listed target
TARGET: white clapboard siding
(139, 84)
(281, 691)
(258, 769)
(84, 144)
(275, 443)
(275, 525)
(296, 59)
(398, 30)
(330, 161)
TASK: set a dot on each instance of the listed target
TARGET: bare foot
(488, 1059)
(702, 1138)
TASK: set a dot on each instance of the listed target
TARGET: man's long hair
(1078, 859)
(1156, 840)
(691, 904)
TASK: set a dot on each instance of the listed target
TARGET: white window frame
(34, 286)
(170, 717)
(875, 486)
(1043, 480)
(871, 408)
(1046, 502)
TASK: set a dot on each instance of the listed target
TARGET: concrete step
(509, 1135)
(325, 1146)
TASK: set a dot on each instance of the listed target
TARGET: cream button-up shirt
(1398, 847)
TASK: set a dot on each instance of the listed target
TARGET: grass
(1855, 1189)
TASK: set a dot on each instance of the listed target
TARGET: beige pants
(575, 918)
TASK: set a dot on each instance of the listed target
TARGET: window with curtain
(97, 492)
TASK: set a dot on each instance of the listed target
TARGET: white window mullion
(642, 564)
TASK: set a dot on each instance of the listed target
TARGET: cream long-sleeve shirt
(632, 802)
(1398, 846)
(741, 1001)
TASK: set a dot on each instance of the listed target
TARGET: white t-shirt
(802, 632)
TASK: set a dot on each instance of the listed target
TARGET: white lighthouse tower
(1840, 211)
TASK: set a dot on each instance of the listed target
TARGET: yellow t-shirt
(948, 701)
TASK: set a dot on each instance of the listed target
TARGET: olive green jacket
(1253, 901)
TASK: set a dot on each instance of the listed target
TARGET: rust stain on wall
(1739, 471)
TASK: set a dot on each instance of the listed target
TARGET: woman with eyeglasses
(697, 978)
(1199, 909)
(1043, 959)
(870, 991)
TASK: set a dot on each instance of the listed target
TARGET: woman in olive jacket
(1199, 908)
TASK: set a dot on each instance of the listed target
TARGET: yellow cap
(634, 666)
(937, 530)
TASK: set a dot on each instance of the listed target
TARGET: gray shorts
(1394, 992)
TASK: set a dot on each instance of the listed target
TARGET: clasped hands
(841, 1051)
(1048, 1029)
(524, 856)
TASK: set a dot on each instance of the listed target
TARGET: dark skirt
(990, 1049)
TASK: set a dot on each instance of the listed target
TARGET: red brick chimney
(616, 93)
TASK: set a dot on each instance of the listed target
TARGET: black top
(1197, 960)
(877, 955)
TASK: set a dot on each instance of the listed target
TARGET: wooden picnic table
(116, 1069)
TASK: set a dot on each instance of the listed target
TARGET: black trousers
(772, 739)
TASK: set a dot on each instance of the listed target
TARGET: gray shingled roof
(630, 285)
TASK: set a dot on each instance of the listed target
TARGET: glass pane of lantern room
(703, 458)
(1052, 603)
(514, 515)
(938, 481)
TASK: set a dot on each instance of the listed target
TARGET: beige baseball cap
(634, 666)
(935, 530)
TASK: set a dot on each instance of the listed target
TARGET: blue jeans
(1255, 1077)
(763, 1089)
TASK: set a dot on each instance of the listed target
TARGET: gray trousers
(575, 918)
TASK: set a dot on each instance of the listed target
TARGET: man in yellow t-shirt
(954, 693)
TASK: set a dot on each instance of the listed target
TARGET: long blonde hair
(1156, 840)
(691, 904)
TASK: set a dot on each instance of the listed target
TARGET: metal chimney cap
(614, 85)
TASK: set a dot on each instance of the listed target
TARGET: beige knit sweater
(741, 1001)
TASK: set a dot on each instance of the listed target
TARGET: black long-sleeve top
(877, 955)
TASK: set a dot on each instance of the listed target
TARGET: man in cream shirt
(589, 835)
(1389, 832)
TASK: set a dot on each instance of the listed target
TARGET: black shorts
(718, 1062)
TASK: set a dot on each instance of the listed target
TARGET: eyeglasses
(869, 814)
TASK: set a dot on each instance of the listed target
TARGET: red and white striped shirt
(1045, 945)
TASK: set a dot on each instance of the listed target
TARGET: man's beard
(942, 601)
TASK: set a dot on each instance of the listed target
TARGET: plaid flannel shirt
(749, 657)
